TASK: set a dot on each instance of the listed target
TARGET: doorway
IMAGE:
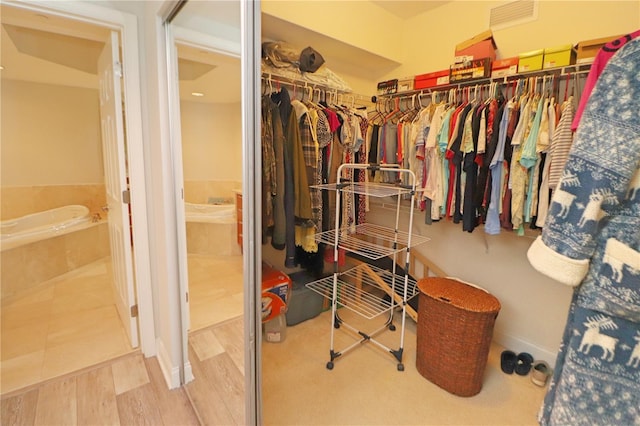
(59, 299)
(211, 133)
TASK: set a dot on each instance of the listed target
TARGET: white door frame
(126, 24)
(176, 34)
(175, 131)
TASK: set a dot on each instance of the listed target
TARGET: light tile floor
(71, 322)
(215, 289)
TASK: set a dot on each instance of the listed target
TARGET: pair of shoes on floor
(540, 373)
(522, 364)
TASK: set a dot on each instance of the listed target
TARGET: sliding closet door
(252, 184)
(200, 25)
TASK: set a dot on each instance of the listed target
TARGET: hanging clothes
(561, 143)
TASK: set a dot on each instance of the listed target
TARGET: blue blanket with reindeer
(591, 240)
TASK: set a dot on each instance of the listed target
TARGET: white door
(115, 170)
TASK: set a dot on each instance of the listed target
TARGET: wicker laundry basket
(455, 327)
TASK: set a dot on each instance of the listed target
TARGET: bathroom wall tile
(194, 193)
(15, 202)
(201, 191)
(103, 239)
(45, 260)
(85, 246)
(12, 271)
(197, 239)
(20, 201)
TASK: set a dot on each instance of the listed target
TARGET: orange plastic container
(276, 290)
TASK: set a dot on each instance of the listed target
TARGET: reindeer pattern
(634, 359)
(601, 332)
(593, 210)
(593, 337)
(565, 200)
(617, 255)
(597, 378)
(634, 186)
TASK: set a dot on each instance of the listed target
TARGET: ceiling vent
(513, 13)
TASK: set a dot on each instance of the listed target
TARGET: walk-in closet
(382, 212)
(487, 146)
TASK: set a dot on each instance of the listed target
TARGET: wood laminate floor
(131, 390)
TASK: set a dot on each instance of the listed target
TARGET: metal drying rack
(362, 289)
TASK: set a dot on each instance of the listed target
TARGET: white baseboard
(518, 345)
(171, 374)
(188, 372)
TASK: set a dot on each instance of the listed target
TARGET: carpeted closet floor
(365, 388)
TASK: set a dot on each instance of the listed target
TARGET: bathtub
(210, 213)
(41, 246)
(211, 229)
(43, 225)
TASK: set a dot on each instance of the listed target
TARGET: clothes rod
(558, 72)
(307, 85)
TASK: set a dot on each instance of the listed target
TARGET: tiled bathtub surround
(29, 265)
(212, 239)
(18, 201)
(202, 192)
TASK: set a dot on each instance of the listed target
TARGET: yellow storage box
(560, 56)
(531, 61)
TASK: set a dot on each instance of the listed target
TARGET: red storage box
(276, 290)
(481, 46)
(432, 79)
(504, 67)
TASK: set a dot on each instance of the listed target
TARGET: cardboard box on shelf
(560, 56)
(588, 49)
(480, 46)
(405, 84)
(478, 68)
(388, 87)
(504, 67)
(432, 79)
(530, 61)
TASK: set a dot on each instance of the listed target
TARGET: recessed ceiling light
(1, 67)
(198, 94)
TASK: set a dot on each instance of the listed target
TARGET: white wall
(428, 41)
(534, 307)
(211, 141)
(45, 130)
(360, 23)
